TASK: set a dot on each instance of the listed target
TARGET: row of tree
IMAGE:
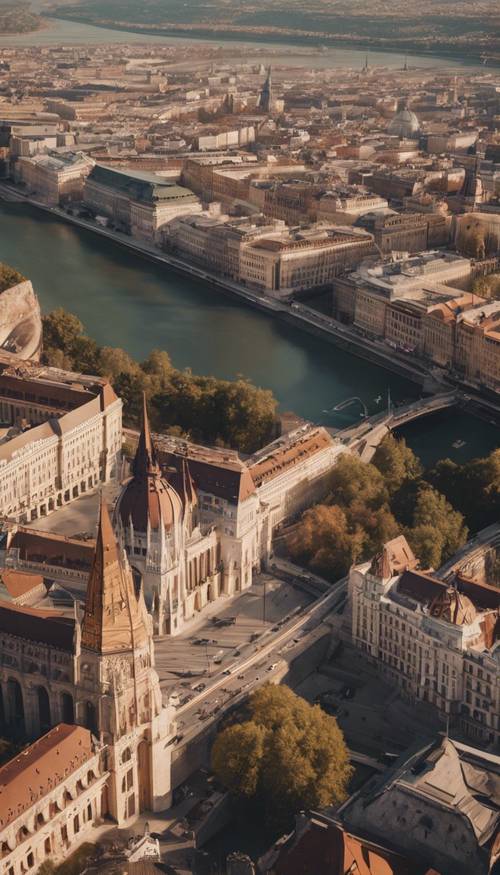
(229, 413)
(368, 504)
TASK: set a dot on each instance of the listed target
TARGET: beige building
(141, 204)
(54, 177)
(302, 259)
(477, 351)
(440, 328)
(61, 437)
(430, 637)
(51, 798)
(96, 671)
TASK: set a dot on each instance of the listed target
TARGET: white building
(437, 642)
(197, 530)
(61, 436)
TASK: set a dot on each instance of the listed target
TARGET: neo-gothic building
(196, 523)
(188, 547)
(437, 641)
(96, 671)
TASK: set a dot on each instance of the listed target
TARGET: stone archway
(197, 601)
(144, 773)
(44, 716)
(15, 707)
(67, 708)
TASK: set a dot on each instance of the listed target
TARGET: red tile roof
(40, 768)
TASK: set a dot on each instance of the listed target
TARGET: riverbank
(299, 315)
(316, 40)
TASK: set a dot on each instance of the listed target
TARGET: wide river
(125, 300)
(70, 33)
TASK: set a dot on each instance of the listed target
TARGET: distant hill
(16, 17)
(429, 26)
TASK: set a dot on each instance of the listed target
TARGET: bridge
(365, 437)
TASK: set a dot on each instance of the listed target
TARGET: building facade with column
(436, 640)
(51, 797)
(197, 522)
(95, 670)
(62, 437)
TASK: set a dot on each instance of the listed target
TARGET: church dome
(405, 125)
(148, 499)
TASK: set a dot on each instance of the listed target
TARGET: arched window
(126, 755)
(44, 709)
(90, 717)
(67, 708)
(15, 706)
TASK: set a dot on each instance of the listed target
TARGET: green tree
(61, 329)
(434, 513)
(396, 462)
(427, 544)
(9, 277)
(323, 541)
(286, 756)
(352, 479)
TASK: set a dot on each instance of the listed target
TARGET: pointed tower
(149, 520)
(118, 688)
(185, 488)
(265, 102)
(112, 621)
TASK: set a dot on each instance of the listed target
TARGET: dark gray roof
(146, 187)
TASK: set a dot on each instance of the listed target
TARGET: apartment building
(431, 637)
(61, 435)
(140, 204)
(54, 177)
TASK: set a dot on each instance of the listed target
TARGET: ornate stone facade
(96, 671)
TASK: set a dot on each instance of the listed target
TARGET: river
(125, 300)
(69, 33)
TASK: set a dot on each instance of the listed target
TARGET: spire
(112, 621)
(145, 461)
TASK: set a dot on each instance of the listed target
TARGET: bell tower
(119, 691)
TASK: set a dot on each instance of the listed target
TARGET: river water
(125, 300)
(70, 33)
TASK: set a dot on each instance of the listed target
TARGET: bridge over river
(365, 437)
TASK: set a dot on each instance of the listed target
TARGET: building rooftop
(147, 187)
(41, 768)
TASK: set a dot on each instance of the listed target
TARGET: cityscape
(249, 438)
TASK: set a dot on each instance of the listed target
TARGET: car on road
(348, 692)
(272, 666)
(198, 688)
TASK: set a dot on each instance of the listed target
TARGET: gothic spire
(112, 621)
(145, 461)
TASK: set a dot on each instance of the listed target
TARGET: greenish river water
(125, 300)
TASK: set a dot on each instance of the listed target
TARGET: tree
(434, 514)
(322, 540)
(396, 462)
(114, 361)
(353, 479)
(286, 756)
(427, 545)
(61, 329)
(9, 277)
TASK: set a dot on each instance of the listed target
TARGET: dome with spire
(148, 500)
(405, 125)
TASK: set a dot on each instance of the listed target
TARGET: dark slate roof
(146, 187)
(40, 627)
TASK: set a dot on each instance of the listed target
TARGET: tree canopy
(231, 413)
(370, 504)
(286, 756)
